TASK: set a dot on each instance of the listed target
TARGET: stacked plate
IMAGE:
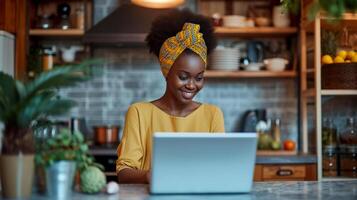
(224, 59)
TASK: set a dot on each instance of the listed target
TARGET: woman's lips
(187, 95)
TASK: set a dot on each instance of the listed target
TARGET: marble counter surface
(327, 190)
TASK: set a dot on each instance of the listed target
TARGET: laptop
(189, 163)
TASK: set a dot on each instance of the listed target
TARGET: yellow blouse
(143, 119)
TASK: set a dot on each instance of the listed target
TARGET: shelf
(255, 31)
(56, 32)
(328, 23)
(338, 92)
(248, 74)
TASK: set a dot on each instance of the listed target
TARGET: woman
(181, 40)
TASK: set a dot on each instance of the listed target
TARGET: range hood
(127, 24)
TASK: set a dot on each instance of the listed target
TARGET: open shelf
(328, 23)
(56, 32)
(255, 31)
(248, 74)
(338, 92)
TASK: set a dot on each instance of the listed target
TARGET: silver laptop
(202, 163)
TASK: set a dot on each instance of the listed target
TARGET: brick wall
(131, 75)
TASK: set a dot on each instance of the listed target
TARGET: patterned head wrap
(189, 37)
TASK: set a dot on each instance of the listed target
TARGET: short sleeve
(218, 121)
(130, 150)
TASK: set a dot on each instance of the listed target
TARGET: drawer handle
(284, 172)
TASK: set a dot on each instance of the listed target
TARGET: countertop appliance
(7, 53)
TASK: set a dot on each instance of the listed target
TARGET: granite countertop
(110, 150)
(299, 190)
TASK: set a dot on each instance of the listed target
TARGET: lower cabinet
(262, 172)
(285, 172)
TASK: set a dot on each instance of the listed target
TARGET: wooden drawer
(278, 172)
(285, 172)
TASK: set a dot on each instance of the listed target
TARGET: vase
(59, 179)
(17, 162)
(16, 175)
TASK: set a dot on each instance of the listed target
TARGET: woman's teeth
(188, 95)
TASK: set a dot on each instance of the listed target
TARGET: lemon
(339, 59)
(327, 59)
(342, 54)
(350, 54)
(354, 58)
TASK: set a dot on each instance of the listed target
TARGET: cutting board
(275, 153)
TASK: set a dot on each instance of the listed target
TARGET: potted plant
(61, 156)
(20, 106)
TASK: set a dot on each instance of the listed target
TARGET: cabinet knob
(284, 172)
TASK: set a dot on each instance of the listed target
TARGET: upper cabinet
(256, 39)
(55, 33)
(60, 18)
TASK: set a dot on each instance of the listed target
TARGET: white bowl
(275, 64)
(234, 21)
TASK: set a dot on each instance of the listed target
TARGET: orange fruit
(342, 54)
(327, 59)
(350, 54)
(354, 58)
(289, 145)
(339, 59)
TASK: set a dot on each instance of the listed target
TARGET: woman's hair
(166, 26)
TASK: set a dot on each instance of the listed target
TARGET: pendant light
(158, 3)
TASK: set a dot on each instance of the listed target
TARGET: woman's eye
(200, 78)
(183, 77)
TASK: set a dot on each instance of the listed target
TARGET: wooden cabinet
(285, 172)
(313, 92)
(8, 16)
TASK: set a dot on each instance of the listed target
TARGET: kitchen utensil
(252, 66)
(234, 21)
(223, 58)
(275, 64)
(63, 11)
(255, 51)
(69, 53)
(78, 124)
(262, 21)
(251, 118)
(106, 135)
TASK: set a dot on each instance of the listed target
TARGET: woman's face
(185, 78)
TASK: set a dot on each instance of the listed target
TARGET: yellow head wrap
(189, 37)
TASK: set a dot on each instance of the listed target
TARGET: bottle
(80, 18)
(47, 59)
(329, 133)
(349, 134)
(276, 131)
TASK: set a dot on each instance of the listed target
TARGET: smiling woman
(181, 42)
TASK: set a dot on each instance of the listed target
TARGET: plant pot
(16, 175)
(59, 179)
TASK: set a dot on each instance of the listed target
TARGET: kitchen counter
(290, 159)
(263, 190)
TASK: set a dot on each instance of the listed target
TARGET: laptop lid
(203, 162)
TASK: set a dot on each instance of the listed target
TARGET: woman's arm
(129, 175)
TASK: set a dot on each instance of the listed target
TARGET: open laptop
(187, 163)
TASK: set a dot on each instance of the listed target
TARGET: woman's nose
(191, 84)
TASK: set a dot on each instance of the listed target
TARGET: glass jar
(349, 134)
(348, 150)
(47, 59)
(329, 161)
(329, 133)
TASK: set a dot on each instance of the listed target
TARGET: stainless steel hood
(127, 24)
